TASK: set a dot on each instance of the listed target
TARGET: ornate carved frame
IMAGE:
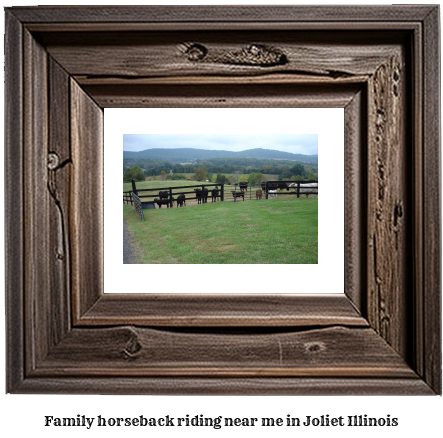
(64, 65)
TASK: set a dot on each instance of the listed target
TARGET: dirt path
(129, 255)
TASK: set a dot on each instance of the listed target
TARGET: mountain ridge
(186, 154)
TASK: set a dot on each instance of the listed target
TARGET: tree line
(203, 170)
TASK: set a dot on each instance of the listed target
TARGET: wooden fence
(147, 196)
(294, 187)
(227, 192)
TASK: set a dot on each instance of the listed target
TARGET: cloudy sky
(295, 143)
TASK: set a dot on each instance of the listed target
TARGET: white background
(23, 415)
(328, 123)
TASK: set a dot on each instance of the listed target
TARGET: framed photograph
(65, 65)
(242, 239)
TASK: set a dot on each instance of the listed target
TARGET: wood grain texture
(14, 239)
(418, 357)
(59, 167)
(129, 351)
(36, 201)
(86, 209)
(388, 204)
(355, 189)
(225, 14)
(225, 96)
(73, 62)
(431, 321)
(288, 386)
(239, 310)
(160, 54)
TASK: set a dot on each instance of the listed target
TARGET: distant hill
(180, 155)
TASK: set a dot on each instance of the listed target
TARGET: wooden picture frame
(65, 64)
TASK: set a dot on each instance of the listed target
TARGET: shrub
(133, 173)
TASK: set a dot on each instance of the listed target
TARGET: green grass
(267, 231)
(158, 184)
(161, 184)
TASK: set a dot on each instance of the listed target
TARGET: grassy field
(160, 184)
(267, 231)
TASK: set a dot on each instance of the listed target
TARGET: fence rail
(172, 192)
(127, 198)
(297, 186)
(230, 193)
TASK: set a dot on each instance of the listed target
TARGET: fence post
(266, 190)
(298, 189)
(222, 195)
(170, 197)
(134, 188)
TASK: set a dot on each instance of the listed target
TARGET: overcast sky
(295, 143)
